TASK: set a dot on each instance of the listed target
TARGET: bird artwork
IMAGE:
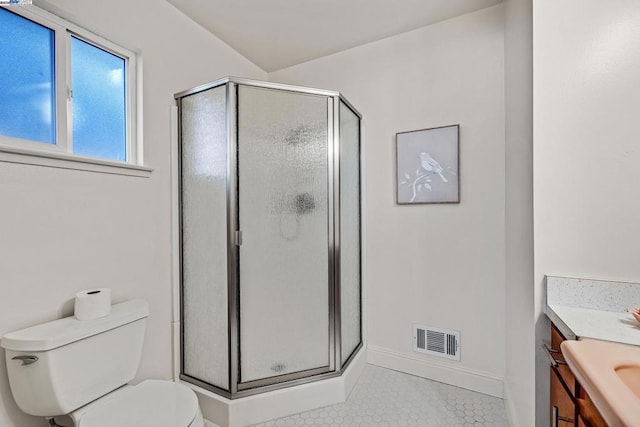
(430, 164)
(427, 165)
(423, 176)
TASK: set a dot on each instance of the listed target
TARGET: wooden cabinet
(562, 367)
(563, 409)
(581, 422)
(570, 404)
(588, 412)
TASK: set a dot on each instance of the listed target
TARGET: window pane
(98, 84)
(27, 90)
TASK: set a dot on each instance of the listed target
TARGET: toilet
(80, 368)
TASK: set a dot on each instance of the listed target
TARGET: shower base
(280, 403)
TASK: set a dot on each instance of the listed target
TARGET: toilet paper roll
(92, 303)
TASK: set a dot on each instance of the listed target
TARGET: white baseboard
(510, 408)
(458, 376)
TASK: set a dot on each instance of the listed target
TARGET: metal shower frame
(334, 368)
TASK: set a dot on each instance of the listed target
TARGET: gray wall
(440, 265)
(519, 382)
(63, 231)
(586, 156)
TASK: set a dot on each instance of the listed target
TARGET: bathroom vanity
(570, 404)
(594, 353)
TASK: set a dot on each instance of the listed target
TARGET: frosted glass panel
(284, 313)
(204, 236)
(349, 230)
(99, 103)
(27, 92)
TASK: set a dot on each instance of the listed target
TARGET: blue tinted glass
(27, 90)
(98, 84)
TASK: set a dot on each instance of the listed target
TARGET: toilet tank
(56, 367)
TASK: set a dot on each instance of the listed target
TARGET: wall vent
(436, 341)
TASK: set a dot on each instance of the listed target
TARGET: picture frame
(428, 166)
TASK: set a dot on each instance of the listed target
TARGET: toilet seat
(151, 403)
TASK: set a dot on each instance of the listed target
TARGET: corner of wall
(510, 407)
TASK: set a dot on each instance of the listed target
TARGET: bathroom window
(65, 93)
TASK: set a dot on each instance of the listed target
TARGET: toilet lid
(151, 403)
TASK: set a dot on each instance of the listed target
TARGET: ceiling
(276, 34)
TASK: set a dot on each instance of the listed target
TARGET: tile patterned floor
(386, 398)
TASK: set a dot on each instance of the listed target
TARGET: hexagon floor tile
(386, 398)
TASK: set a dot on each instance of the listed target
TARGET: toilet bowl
(81, 369)
(151, 403)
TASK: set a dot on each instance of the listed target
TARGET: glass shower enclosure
(270, 235)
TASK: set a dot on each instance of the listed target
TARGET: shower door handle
(238, 238)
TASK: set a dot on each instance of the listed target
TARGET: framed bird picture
(428, 166)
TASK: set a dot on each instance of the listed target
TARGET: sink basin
(630, 375)
(610, 374)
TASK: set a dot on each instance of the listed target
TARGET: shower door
(285, 219)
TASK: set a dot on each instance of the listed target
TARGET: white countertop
(577, 322)
(584, 308)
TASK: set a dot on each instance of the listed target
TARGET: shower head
(304, 203)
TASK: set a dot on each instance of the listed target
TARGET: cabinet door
(589, 414)
(560, 399)
(563, 370)
(581, 422)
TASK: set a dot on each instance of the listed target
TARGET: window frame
(62, 149)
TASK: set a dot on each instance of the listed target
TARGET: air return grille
(436, 341)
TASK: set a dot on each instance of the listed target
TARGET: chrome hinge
(238, 238)
(554, 362)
